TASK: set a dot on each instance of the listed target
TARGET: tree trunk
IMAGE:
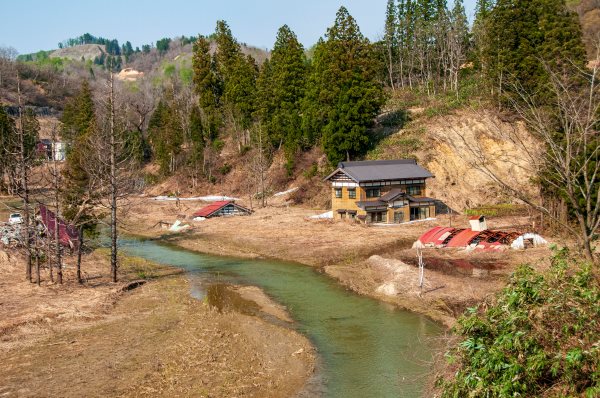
(57, 252)
(113, 184)
(79, 252)
(59, 273)
(24, 184)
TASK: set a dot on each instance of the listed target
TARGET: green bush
(501, 210)
(538, 338)
(311, 171)
(225, 169)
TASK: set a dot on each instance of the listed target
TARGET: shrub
(311, 171)
(538, 338)
(225, 169)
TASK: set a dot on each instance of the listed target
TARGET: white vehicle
(15, 218)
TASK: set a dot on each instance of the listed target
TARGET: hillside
(450, 145)
(589, 16)
(84, 52)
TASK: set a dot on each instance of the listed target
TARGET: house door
(376, 216)
(399, 217)
(419, 213)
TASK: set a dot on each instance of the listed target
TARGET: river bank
(101, 339)
(365, 259)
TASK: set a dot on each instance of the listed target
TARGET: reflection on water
(367, 348)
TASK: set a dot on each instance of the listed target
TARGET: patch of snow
(286, 192)
(326, 215)
(209, 198)
(387, 224)
(215, 198)
(177, 227)
(418, 221)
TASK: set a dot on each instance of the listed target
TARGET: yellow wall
(350, 204)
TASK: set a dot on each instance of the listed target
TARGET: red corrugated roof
(475, 217)
(434, 234)
(210, 209)
(463, 238)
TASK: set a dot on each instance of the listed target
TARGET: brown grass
(97, 340)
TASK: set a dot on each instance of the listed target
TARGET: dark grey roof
(371, 203)
(418, 200)
(391, 195)
(383, 170)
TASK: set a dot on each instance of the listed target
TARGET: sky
(42, 24)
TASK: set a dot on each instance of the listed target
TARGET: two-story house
(392, 191)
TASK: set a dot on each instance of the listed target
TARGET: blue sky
(41, 24)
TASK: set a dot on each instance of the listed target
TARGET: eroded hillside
(453, 146)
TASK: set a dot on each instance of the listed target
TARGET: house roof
(382, 170)
(371, 203)
(216, 206)
(420, 199)
(392, 194)
(211, 208)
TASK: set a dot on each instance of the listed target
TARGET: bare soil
(350, 252)
(99, 339)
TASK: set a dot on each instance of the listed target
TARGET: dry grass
(97, 340)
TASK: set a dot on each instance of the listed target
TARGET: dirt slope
(449, 145)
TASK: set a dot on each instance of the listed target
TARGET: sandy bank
(155, 340)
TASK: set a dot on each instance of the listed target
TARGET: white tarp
(325, 215)
(519, 243)
(286, 192)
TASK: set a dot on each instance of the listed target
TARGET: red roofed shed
(222, 208)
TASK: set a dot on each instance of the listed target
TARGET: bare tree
(24, 166)
(7, 57)
(110, 164)
(260, 164)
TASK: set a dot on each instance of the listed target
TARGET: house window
(338, 192)
(351, 193)
(373, 192)
(413, 190)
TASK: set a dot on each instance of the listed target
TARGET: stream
(366, 348)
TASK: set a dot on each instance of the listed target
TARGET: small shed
(478, 223)
(222, 208)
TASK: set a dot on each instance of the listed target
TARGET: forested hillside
(211, 113)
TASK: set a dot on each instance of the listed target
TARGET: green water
(366, 348)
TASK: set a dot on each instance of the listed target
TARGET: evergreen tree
(346, 96)
(207, 86)
(78, 125)
(543, 33)
(7, 144)
(166, 134)
(197, 137)
(162, 45)
(31, 129)
(391, 38)
(282, 87)
(78, 115)
(238, 75)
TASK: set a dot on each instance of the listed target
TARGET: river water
(366, 348)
